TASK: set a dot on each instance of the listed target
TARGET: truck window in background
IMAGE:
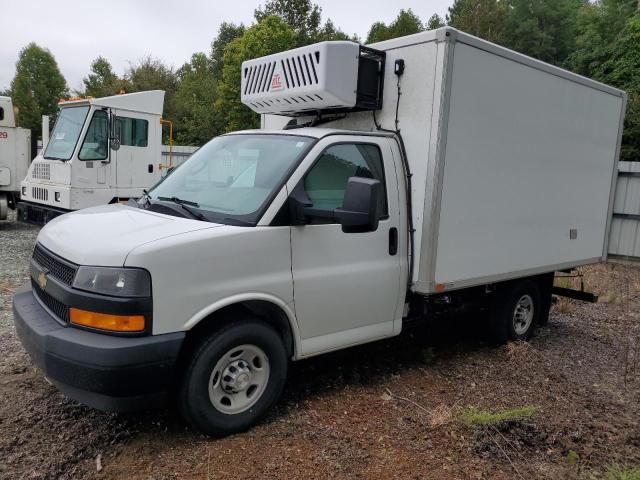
(66, 132)
(326, 182)
(95, 144)
(1, 114)
(134, 132)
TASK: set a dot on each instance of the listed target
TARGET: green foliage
(572, 457)
(195, 98)
(37, 86)
(226, 34)
(101, 82)
(473, 416)
(269, 36)
(435, 21)
(488, 19)
(304, 18)
(617, 472)
(608, 49)
(543, 29)
(406, 23)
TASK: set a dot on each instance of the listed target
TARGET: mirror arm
(299, 204)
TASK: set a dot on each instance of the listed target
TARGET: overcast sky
(77, 31)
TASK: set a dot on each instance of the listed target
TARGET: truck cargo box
(513, 160)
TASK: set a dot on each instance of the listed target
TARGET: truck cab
(15, 154)
(101, 151)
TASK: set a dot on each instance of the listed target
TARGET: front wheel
(515, 312)
(235, 376)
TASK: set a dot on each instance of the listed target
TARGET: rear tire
(515, 312)
(235, 376)
(4, 207)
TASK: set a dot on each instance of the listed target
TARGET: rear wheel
(515, 311)
(235, 376)
(4, 207)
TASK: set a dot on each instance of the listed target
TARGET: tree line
(600, 40)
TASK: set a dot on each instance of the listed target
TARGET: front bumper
(103, 371)
(37, 214)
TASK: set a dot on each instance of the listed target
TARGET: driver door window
(95, 144)
(326, 182)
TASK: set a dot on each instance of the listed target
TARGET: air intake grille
(57, 268)
(41, 171)
(40, 193)
(58, 308)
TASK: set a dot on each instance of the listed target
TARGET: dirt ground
(392, 409)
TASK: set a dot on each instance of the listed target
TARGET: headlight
(121, 282)
(57, 196)
(24, 191)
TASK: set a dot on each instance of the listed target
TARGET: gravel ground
(391, 409)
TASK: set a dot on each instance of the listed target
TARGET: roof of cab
(314, 132)
(151, 101)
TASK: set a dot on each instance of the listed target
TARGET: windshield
(234, 175)
(65, 133)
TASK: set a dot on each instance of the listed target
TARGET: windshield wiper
(185, 205)
(146, 197)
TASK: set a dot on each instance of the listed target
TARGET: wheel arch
(267, 308)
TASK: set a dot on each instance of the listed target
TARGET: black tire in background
(515, 311)
(197, 398)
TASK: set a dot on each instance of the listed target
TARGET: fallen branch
(393, 395)
(505, 454)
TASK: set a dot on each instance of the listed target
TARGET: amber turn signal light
(105, 321)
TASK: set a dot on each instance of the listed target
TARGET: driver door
(347, 286)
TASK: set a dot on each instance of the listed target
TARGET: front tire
(235, 376)
(515, 312)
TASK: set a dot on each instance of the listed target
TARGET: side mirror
(360, 210)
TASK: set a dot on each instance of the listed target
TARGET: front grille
(57, 268)
(58, 308)
(40, 193)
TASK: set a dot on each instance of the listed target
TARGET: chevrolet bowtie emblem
(42, 280)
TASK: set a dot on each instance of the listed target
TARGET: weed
(440, 415)
(572, 457)
(565, 306)
(473, 416)
(616, 472)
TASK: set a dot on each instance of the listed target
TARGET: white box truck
(425, 173)
(15, 155)
(101, 151)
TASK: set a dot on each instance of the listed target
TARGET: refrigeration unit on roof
(335, 76)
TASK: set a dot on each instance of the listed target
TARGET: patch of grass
(572, 457)
(616, 472)
(474, 416)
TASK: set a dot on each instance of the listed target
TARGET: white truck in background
(418, 176)
(16, 152)
(101, 151)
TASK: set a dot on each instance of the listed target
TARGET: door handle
(393, 241)
(150, 168)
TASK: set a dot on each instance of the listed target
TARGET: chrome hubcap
(239, 379)
(523, 315)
